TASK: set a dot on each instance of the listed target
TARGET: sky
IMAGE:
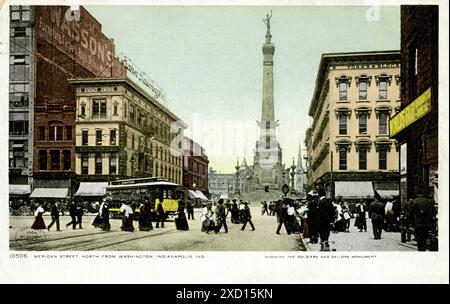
(208, 61)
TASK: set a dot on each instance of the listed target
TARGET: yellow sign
(414, 111)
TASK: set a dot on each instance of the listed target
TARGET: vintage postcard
(172, 136)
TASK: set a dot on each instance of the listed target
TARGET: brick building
(415, 127)
(195, 167)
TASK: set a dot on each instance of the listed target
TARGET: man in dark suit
(247, 217)
(160, 214)
(79, 213)
(376, 214)
(312, 218)
(54, 212)
(73, 214)
(283, 218)
(325, 216)
(190, 210)
(222, 217)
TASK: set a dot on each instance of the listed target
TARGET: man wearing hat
(247, 217)
(222, 217)
(54, 212)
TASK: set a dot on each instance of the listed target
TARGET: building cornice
(328, 59)
(130, 84)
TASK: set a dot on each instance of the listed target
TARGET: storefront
(416, 130)
(91, 195)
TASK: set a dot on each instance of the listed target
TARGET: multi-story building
(48, 45)
(415, 127)
(21, 98)
(195, 167)
(124, 132)
(349, 149)
(221, 184)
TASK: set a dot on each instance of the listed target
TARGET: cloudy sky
(208, 60)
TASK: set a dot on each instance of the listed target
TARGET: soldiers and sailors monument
(268, 174)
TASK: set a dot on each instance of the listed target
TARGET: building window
(83, 111)
(98, 137)
(342, 123)
(413, 54)
(362, 158)
(363, 90)
(342, 158)
(382, 158)
(98, 163)
(85, 164)
(66, 159)
(55, 157)
(19, 95)
(18, 127)
(132, 114)
(132, 142)
(20, 12)
(84, 137)
(112, 137)
(41, 133)
(69, 133)
(99, 108)
(19, 67)
(42, 160)
(115, 109)
(383, 123)
(112, 164)
(55, 132)
(383, 89)
(363, 123)
(20, 31)
(343, 91)
(18, 160)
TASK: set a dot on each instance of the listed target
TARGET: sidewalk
(364, 241)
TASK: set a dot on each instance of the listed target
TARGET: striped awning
(200, 195)
(92, 189)
(50, 193)
(353, 190)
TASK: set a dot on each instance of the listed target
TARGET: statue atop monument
(267, 22)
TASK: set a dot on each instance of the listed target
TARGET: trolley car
(153, 189)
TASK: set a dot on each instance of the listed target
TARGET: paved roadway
(158, 239)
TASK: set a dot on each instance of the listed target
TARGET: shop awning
(353, 190)
(192, 194)
(388, 193)
(92, 189)
(50, 193)
(19, 189)
(200, 195)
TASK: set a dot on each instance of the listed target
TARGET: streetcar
(153, 189)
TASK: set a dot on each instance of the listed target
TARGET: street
(364, 241)
(158, 239)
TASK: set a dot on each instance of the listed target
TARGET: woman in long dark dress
(39, 221)
(181, 221)
(145, 223)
